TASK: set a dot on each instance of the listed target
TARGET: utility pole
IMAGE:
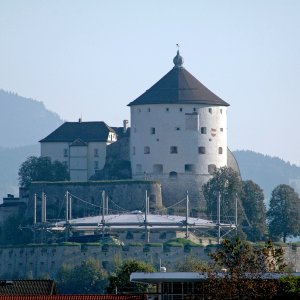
(67, 217)
(34, 209)
(103, 213)
(146, 218)
(187, 216)
(70, 204)
(236, 214)
(219, 218)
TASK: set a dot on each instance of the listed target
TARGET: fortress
(178, 137)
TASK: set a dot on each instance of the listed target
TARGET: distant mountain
(24, 121)
(266, 171)
(10, 161)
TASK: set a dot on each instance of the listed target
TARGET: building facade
(178, 133)
(79, 145)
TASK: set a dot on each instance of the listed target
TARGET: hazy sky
(92, 58)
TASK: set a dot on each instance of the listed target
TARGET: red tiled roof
(74, 297)
(27, 287)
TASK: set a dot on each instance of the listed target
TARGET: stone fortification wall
(127, 194)
(39, 261)
(174, 190)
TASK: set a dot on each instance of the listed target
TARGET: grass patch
(135, 245)
(181, 242)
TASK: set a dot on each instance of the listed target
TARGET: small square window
(221, 110)
(194, 109)
(152, 130)
(210, 110)
(146, 150)
(65, 152)
(140, 110)
(177, 128)
(220, 150)
(211, 168)
(133, 150)
(138, 168)
(167, 108)
(149, 109)
(96, 153)
(189, 168)
(201, 150)
(180, 109)
(173, 149)
(221, 129)
(203, 130)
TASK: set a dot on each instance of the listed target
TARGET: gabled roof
(79, 142)
(85, 131)
(178, 86)
(27, 287)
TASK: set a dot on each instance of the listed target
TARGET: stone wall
(39, 261)
(123, 194)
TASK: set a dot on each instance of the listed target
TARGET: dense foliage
(245, 268)
(284, 213)
(87, 278)
(41, 169)
(120, 280)
(227, 183)
(252, 199)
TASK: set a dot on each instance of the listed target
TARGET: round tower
(178, 134)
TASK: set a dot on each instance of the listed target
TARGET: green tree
(120, 280)
(11, 232)
(290, 287)
(245, 267)
(86, 278)
(41, 169)
(226, 182)
(284, 212)
(252, 198)
(192, 264)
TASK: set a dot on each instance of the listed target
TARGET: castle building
(80, 145)
(178, 136)
(178, 133)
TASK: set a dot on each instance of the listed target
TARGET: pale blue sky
(94, 57)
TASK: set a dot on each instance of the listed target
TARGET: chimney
(125, 126)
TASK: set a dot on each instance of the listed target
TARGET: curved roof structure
(178, 86)
(137, 220)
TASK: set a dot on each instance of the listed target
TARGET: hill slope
(10, 161)
(266, 171)
(24, 121)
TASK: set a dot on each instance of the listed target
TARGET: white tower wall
(177, 128)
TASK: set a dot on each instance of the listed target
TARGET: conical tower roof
(178, 86)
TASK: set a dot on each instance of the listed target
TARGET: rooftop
(80, 131)
(178, 86)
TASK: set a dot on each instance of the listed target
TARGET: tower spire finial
(178, 59)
